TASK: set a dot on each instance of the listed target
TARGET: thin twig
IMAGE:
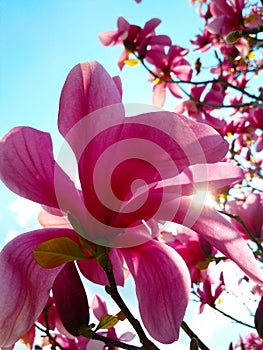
(113, 292)
(192, 335)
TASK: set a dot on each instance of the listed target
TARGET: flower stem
(192, 335)
(112, 290)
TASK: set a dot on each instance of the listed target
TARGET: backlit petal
(25, 286)
(88, 87)
(159, 274)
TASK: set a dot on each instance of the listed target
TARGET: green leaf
(107, 321)
(57, 251)
(233, 37)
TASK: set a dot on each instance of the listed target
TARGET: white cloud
(11, 235)
(25, 211)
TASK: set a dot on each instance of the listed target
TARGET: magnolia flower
(133, 172)
(248, 211)
(134, 38)
(210, 292)
(167, 66)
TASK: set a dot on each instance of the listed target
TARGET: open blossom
(196, 254)
(201, 111)
(249, 342)
(249, 210)
(99, 308)
(133, 172)
(211, 291)
(227, 16)
(166, 67)
(134, 38)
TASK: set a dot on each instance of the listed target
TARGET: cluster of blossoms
(237, 63)
(230, 101)
(134, 174)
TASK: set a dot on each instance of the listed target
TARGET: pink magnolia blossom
(227, 16)
(166, 67)
(195, 253)
(99, 309)
(93, 122)
(204, 41)
(249, 210)
(201, 112)
(134, 38)
(249, 342)
(210, 292)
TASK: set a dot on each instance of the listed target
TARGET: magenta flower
(201, 111)
(134, 38)
(99, 309)
(210, 292)
(196, 254)
(167, 66)
(248, 210)
(251, 341)
(227, 16)
(130, 172)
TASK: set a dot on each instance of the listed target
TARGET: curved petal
(28, 168)
(71, 299)
(95, 273)
(99, 306)
(25, 285)
(215, 229)
(27, 164)
(88, 87)
(160, 274)
(207, 177)
(47, 219)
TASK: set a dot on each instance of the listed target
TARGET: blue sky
(40, 41)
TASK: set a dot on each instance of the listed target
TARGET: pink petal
(159, 94)
(150, 26)
(122, 24)
(48, 220)
(27, 164)
(163, 40)
(118, 83)
(207, 177)
(88, 87)
(109, 38)
(99, 306)
(216, 26)
(25, 285)
(215, 122)
(215, 229)
(127, 336)
(70, 299)
(175, 89)
(159, 274)
(28, 168)
(95, 273)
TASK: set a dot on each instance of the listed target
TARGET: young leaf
(107, 321)
(57, 251)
